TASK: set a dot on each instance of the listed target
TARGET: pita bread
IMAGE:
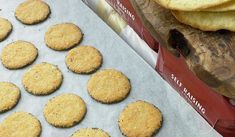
(190, 5)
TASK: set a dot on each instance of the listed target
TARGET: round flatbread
(5, 28)
(109, 86)
(207, 21)
(18, 54)
(32, 12)
(63, 36)
(65, 110)
(42, 79)
(9, 96)
(20, 124)
(83, 60)
(140, 119)
(90, 132)
(228, 6)
(189, 5)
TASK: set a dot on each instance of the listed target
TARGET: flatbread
(5, 28)
(207, 21)
(108, 86)
(18, 54)
(140, 119)
(9, 96)
(83, 59)
(189, 5)
(90, 132)
(20, 124)
(65, 110)
(32, 12)
(228, 6)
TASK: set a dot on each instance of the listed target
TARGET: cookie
(109, 86)
(83, 60)
(63, 36)
(140, 119)
(9, 96)
(42, 79)
(18, 54)
(65, 110)
(20, 124)
(32, 12)
(5, 28)
(90, 132)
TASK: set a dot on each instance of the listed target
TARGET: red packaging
(215, 108)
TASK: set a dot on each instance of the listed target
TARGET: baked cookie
(9, 96)
(109, 86)
(32, 12)
(90, 132)
(65, 110)
(42, 79)
(18, 54)
(83, 59)
(140, 119)
(20, 124)
(63, 36)
(5, 28)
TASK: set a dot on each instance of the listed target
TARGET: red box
(215, 108)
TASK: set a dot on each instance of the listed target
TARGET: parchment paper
(180, 120)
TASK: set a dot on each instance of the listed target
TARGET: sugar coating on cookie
(5, 28)
(90, 132)
(83, 59)
(108, 86)
(42, 79)
(65, 110)
(20, 124)
(63, 36)
(18, 54)
(140, 119)
(32, 12)
(9, 96)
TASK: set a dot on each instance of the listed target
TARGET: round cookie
(9, 96)
(42, 79)
(140, 119)
(63, 36)
(18, 54)
(109, 86)
(83, 59)
(5, 28)
(20, 124)
(32, 12)
(90, 132)
(65, 110)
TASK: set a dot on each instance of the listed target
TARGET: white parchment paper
(180, 120)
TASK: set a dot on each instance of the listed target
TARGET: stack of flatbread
(206, 15)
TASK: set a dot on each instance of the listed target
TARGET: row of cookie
(60, 112)
(29, 12)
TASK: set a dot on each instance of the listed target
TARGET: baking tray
(179, 118)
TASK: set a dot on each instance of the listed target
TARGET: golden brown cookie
(140, 119)
(18, 54)
(63, 36)
(90, 132)
(32, 12)
(5, 28)
(20, 124)
(83, 59)
(109, 86)
(65, 110)
(9, 96)
(42, 79)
